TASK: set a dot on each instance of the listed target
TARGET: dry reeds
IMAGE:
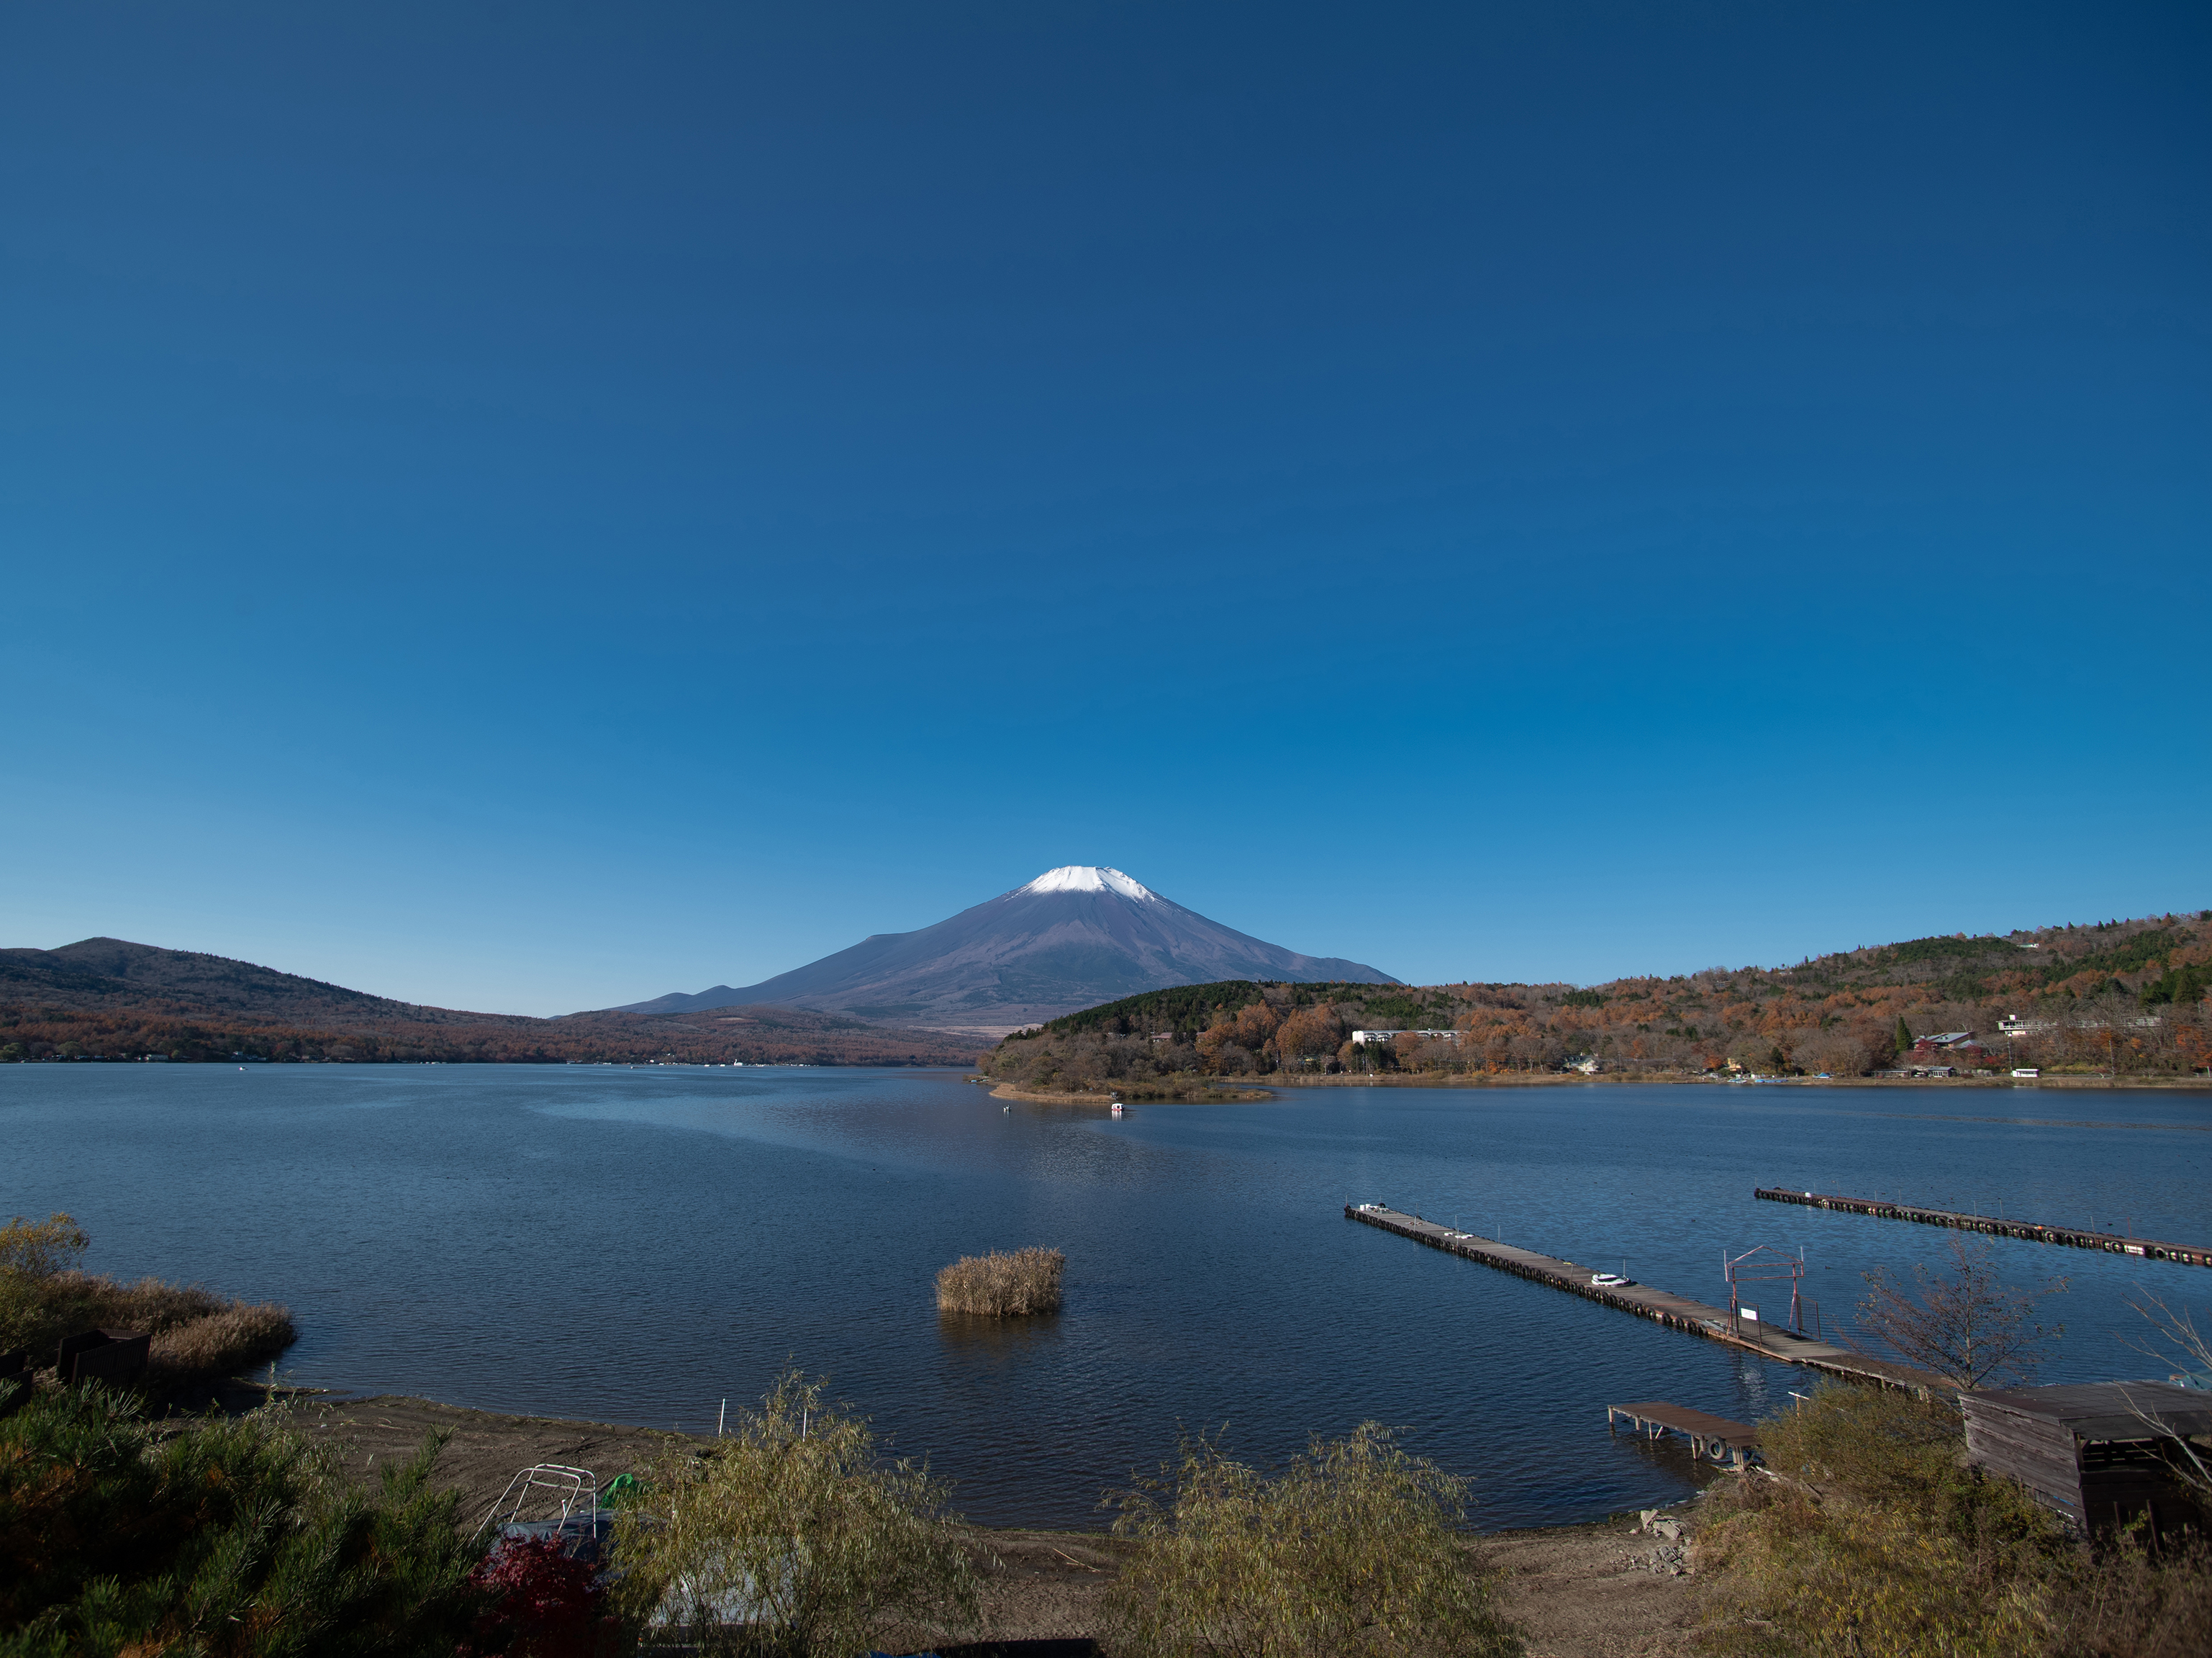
(238, 1338)
(198, 1334)
(1002, 1285)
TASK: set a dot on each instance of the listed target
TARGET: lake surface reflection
(634, 1246)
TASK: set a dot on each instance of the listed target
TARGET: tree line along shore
(2116, 999)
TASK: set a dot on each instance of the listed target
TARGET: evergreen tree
(1904, 1037)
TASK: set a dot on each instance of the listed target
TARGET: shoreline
(1583, 1588)
(486, 1447)
(1591, 1588)
(1616, 1079)
(1243, 1094)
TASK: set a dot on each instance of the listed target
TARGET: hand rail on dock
(2075, 1237)
(1676, 1312)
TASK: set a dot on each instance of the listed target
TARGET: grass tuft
(1002, 1285)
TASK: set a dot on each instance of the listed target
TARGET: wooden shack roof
(2099, 1410)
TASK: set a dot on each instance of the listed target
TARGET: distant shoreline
(1262, 1087)
(1555, 1079)
(1208, 1096)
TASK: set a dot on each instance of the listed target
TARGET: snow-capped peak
(1090, 877)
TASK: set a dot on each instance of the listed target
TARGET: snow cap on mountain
(1090, 877)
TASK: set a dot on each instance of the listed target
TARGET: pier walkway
(1676, 1312)
(2073, 1237)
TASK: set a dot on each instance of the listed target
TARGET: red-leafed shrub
(550, 1605)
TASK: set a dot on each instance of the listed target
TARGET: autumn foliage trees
(2125, 997)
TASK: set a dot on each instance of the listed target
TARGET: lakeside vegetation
(1356, 1548)
(1869, 1534)
(198, 1335)
(2117, 998)
(229, 1537)
(1004, 1283)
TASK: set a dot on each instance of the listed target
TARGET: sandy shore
(1581, 1591)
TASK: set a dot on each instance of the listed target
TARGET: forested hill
(2126, 996)
(100, 974)
(107, 999)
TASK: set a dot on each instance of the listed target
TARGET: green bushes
(227, 1538)
(1354, 1548)
(789, 1538)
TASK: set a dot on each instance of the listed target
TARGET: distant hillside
(1071, 938)
(108, 999)
(2122, 996)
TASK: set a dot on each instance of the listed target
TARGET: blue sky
(531, 506)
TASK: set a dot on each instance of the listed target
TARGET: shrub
(1003, 1284)
(1878, 1541)
(39, 1250)
(546, 1604)
(1354, 1548)
(229, 1537)
(790, 1538)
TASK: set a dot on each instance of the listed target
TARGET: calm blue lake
(634, 1246)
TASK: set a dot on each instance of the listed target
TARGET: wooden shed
(2086, 1450)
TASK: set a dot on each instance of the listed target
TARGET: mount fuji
(1074, 937)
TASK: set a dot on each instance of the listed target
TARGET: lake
(637, 1245)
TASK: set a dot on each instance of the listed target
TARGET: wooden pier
(1713, 1437)
(2074, 1237)
(1676, 1312)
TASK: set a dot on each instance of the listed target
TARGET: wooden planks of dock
(1676, 1312)
(2073, 1237)
(1710, 1437)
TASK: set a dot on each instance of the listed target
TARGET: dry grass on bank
(198, 1334)
(1002, 1285)
(1878, 1540)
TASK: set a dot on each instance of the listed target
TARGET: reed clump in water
(1003, 1283)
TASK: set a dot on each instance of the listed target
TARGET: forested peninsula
(2118, 998)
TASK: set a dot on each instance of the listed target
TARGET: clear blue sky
(526, 507)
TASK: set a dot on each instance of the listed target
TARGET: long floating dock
(1675, 1312)
(2074, 1237)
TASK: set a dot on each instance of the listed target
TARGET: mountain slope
(1071, 938)
(106, 998)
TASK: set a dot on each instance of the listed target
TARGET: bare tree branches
(2175, 1340)
(1962, 1323)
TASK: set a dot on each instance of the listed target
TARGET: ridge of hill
(1064, 941)
(110, 999)
(2123, 997)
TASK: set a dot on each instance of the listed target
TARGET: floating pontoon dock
(1675, 1312)
(2075, 1237)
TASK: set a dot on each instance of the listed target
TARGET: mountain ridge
(110, 998)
